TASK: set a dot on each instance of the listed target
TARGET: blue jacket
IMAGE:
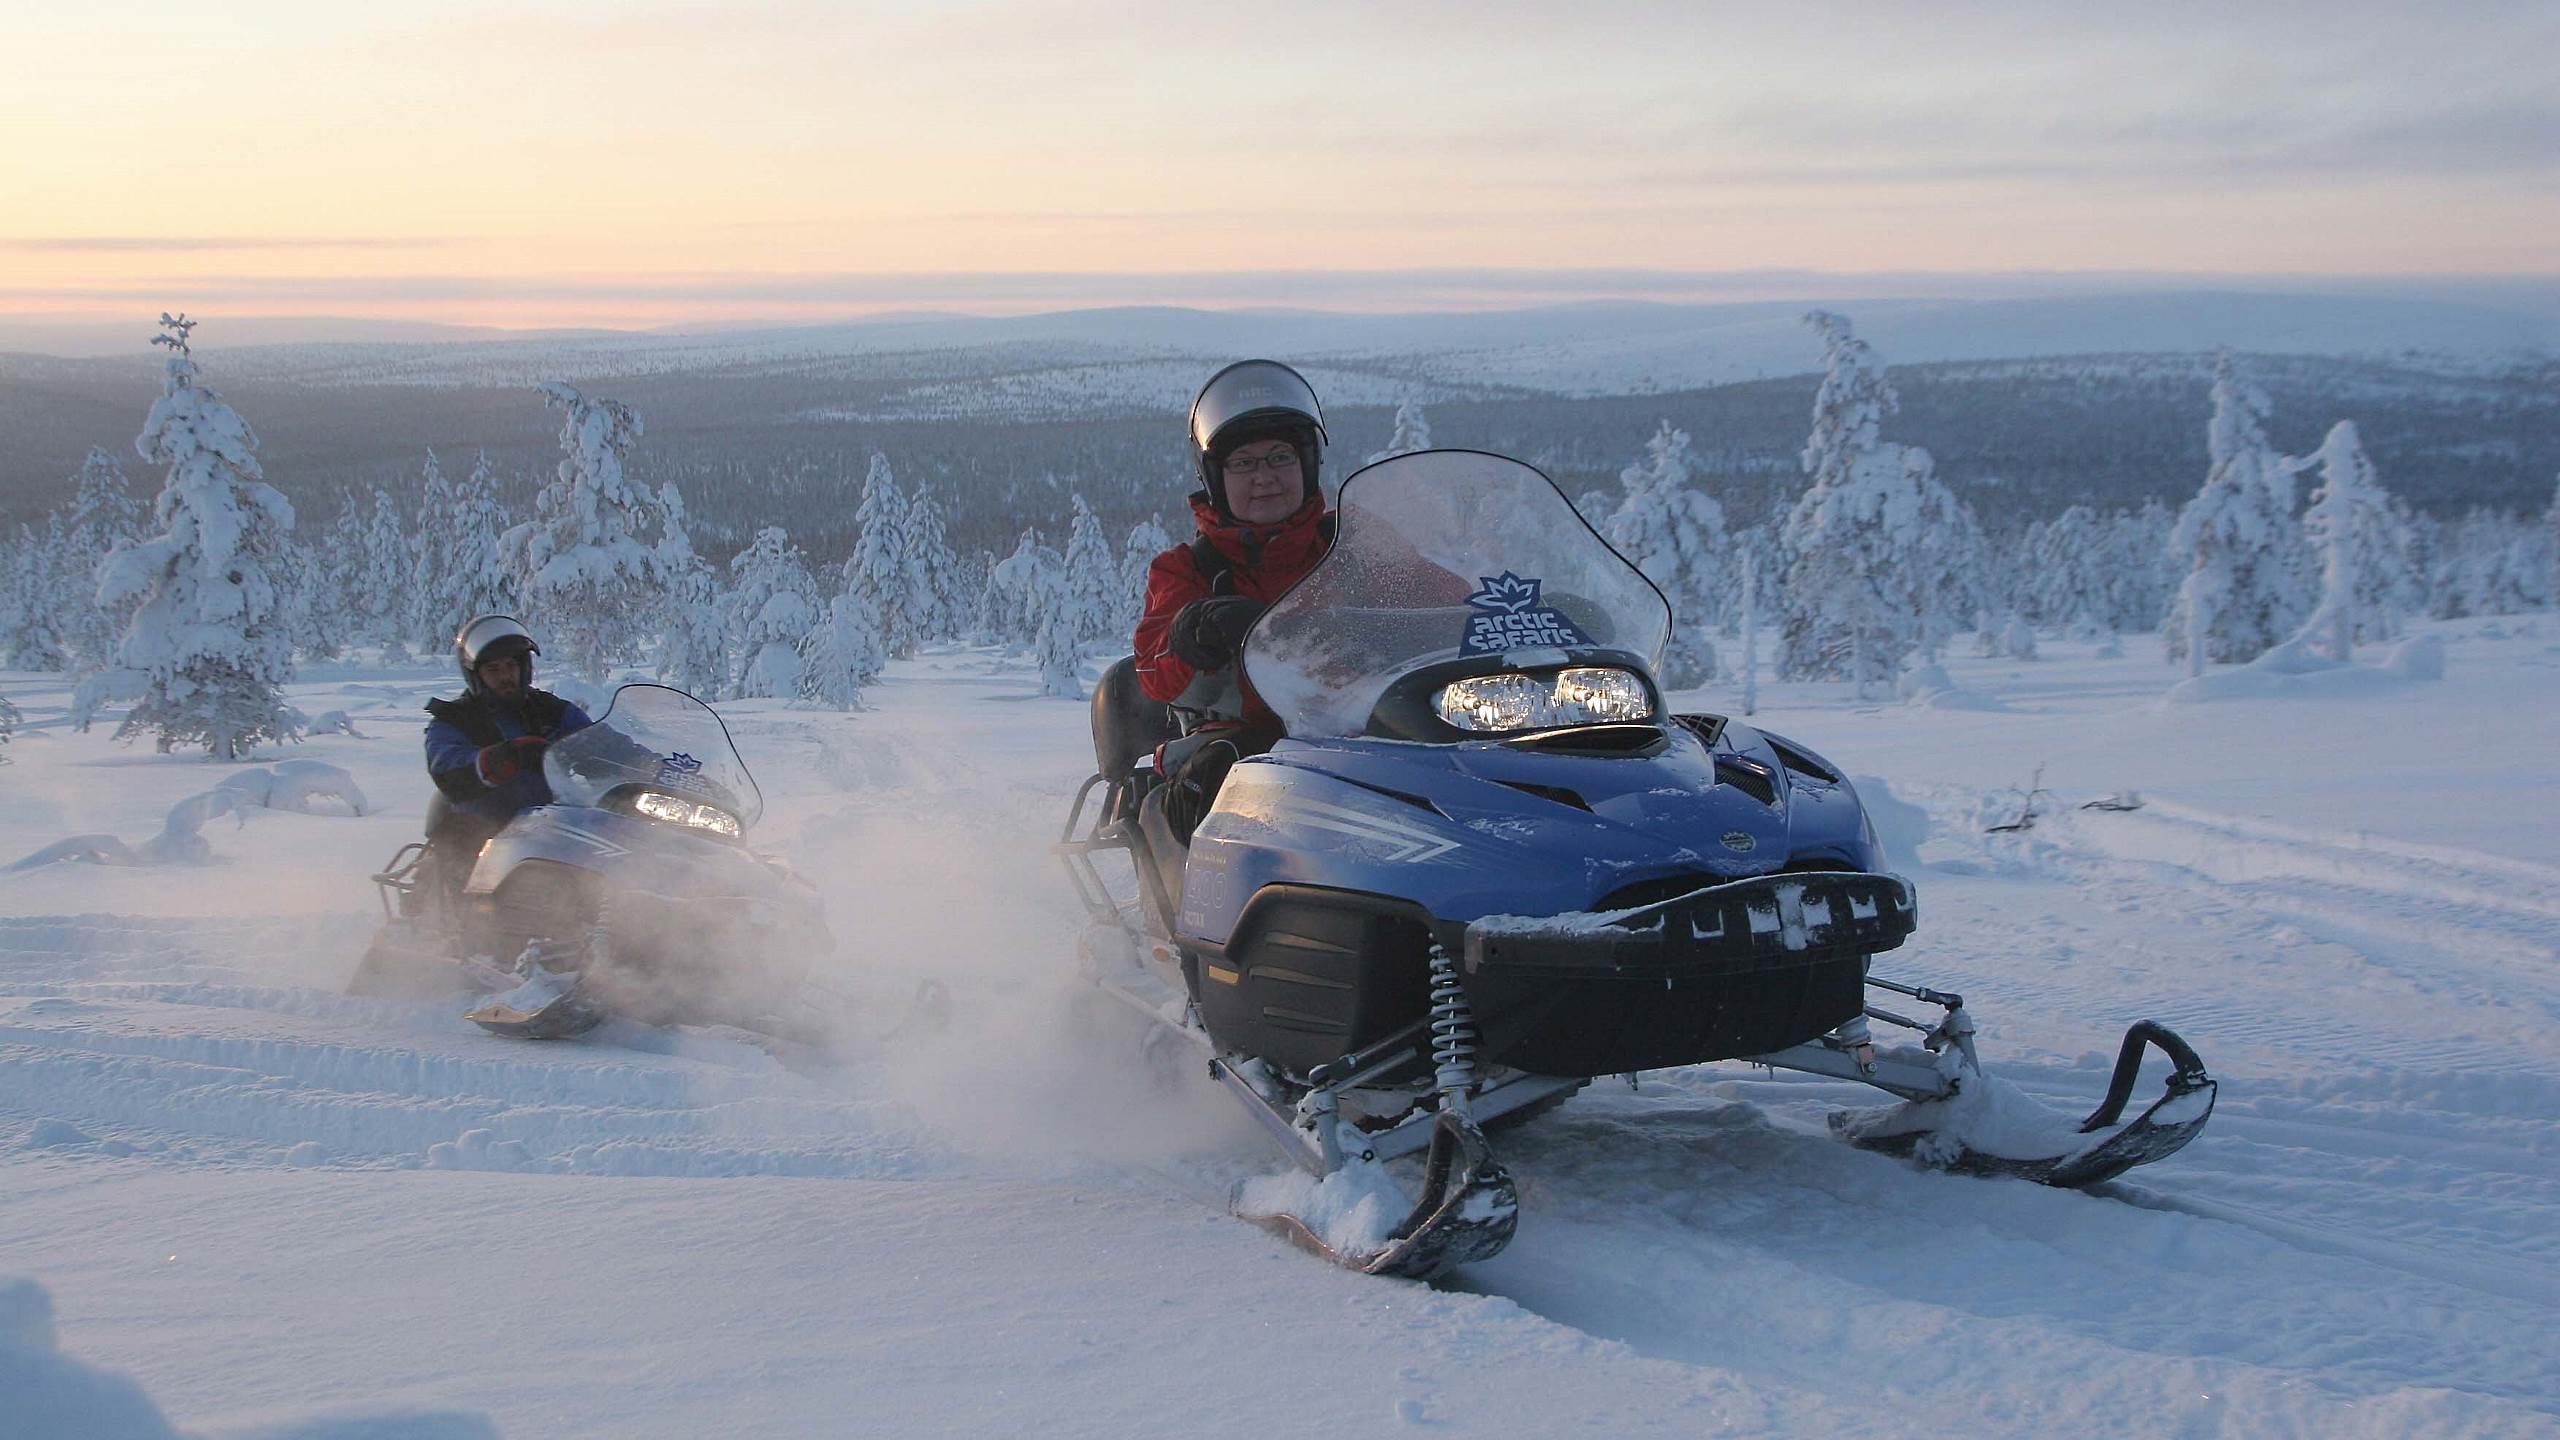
(461, 728)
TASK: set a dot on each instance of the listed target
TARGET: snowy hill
(277, 1210)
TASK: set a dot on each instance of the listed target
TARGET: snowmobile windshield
(661, 741)
(1441, 556)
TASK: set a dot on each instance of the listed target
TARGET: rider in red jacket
(1257, 437)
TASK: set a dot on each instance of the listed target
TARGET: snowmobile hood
(1489, 828)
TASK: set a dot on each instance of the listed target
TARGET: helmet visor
(1248, 389)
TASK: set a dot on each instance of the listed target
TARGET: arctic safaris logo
(1510, 618)
(680, 771)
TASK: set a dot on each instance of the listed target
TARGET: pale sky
(547, 162)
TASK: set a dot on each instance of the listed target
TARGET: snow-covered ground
(277, 1210)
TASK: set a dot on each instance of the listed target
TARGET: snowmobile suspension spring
(1453, 1028)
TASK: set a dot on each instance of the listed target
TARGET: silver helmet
(485, 635)
(1248, 401)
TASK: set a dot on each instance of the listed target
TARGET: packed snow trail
(264, 1200)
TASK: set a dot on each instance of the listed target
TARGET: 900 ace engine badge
(1739, 840)
(1509, 617)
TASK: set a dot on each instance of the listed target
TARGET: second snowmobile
(632, 894)
(1485, 866)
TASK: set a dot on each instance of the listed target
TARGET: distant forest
(2018, 440)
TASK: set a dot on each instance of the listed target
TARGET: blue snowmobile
(1485, 866)
(632, 894)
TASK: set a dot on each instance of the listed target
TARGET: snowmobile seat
(439, 813)
(1127, 726)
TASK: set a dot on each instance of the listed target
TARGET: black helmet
(485, 636)
(1248, 401)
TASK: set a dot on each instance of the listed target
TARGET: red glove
(507, 759)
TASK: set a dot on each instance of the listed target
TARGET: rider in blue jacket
(484, 749)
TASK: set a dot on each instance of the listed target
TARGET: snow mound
(2293, 670)
(51, 1396)
(304, 786)
(1927, 685)
(1900, 825)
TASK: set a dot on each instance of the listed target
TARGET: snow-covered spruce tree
(1412, 432)
(693, 624)
(773, 602)
(466, 573)
(1147, 540)
(880, 568)
(9, 718)
(1751, 631)
(1010, 604)
(1053, 640)
(2365, 577)
(930, 570)
(429, 524)
(211, 640)
(32, 590)
(586, 564)
(2243, 590)
(386, 603)
(104, 514)
(1092, 578)
(1885, 558)
(2551, 552)
(2487, 563)
(842, 653)
(1674, 532)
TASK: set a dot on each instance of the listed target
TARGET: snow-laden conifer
(586, 565)
(467, 574)
(1412, 431)
(429, 524)
(772, 603)
(1885, 558)
(1091, 599)
(2243, 588)
(2551, 551)
(9, 718)
(1673, 531)
(1011, 603)
(929, 571)
(693, 623)
(842, 653)
(37, 571)
(1147, 540)
(1751, 630)
(387, 606)
(883, 568)
(2365, 576)
(104, 514)
(209, 649)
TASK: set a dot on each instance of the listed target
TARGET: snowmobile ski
(1467, 1212)
(2159, 1131)
(544, 1007)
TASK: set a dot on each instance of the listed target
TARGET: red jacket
(1268, 559)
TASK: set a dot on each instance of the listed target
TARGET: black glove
(1208, 633)
(507, 759)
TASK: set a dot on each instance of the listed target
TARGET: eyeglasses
(1275, 462)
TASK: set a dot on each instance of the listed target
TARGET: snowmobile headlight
(1583, 695)
(684, 812)
(1493, 702)
(1595, 695)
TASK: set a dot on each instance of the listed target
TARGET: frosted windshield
(658, 738)
(1444, 555)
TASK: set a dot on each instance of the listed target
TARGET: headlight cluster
(1585, 695)
(684, 812)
